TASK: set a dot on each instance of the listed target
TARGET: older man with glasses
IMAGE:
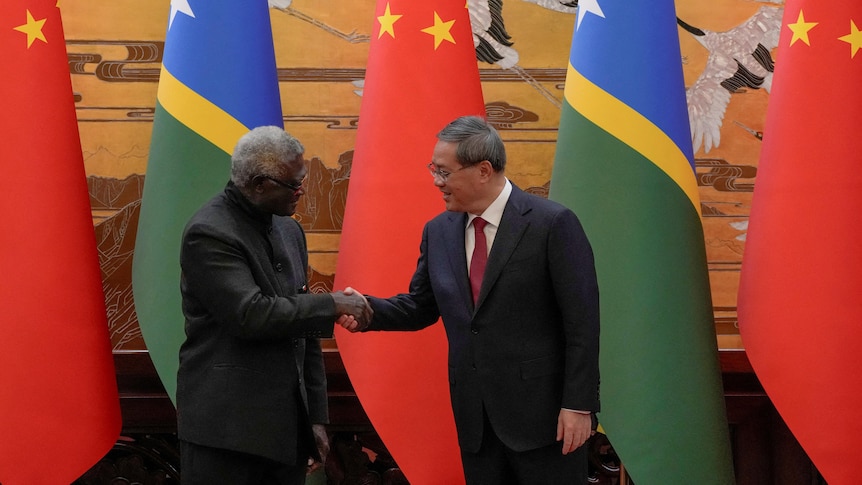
(513, 278)
(251, 388)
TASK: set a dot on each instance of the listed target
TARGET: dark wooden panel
(144, 402)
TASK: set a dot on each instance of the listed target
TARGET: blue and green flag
(218, 81)
(624, 164)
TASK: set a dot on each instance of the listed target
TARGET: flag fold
(218, 81)
(624, 164)
(799, 310)
(58, 389)
(422, 73)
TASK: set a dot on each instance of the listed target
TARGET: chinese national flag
(422, 73)
(59, 411)
(800, 309)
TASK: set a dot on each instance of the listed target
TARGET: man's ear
(485, 169)
(257, 183)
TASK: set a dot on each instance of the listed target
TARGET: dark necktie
(480, 258)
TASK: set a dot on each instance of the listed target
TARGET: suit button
(474, 331)
(278, 267)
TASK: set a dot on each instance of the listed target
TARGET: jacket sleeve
(408, 311)
(217, 278)
(573, 276)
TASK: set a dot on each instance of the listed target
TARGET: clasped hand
(353, 309)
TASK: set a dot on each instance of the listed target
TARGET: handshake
(354, 312)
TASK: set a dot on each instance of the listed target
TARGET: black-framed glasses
(442, 174)
(294, 188)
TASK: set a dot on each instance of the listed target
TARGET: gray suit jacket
(530, 346)
(249, 380)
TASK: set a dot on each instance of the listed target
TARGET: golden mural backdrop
(115, 50)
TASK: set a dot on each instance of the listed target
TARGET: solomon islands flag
(218, 81)
(624, 164)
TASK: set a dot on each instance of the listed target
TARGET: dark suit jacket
(530, 347)
(248, 379)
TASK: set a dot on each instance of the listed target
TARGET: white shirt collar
(494, 213)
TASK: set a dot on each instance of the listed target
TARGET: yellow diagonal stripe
(198, 113)
(633, 129)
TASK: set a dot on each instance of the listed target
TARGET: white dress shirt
(492, 215)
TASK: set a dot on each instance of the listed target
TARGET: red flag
(58, 391)
(422, 73)
(800, 309)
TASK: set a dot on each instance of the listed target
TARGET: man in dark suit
(521, 314)
(251, 388)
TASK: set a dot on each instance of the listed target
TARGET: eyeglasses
(294, 188)
(442, 174)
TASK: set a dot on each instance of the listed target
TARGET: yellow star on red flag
(800, 29)
(33, 29)
(440, 30)
(854, 38)
(387, 22)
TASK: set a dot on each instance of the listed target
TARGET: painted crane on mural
(738, 58)
(494, 44)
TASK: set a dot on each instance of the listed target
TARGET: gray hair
(477, 140)
(261, 151)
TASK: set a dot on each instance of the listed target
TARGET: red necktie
(480, 258)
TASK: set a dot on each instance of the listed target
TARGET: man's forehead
(444, 154)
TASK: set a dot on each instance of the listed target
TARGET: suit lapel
(512, 227)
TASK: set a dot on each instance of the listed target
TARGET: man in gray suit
(251, 387)
(513, 277)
